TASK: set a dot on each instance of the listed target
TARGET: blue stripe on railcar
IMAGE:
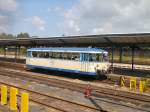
(64, 70)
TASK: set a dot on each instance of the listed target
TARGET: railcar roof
(69, 49)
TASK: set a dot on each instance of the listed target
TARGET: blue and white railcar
(88, 61)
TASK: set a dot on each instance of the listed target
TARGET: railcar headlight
(96, 67)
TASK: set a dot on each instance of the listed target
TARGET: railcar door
(84, 58)
(84, 67)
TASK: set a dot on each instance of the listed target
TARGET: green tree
(6, 36)
(10, 36)
(23, 35)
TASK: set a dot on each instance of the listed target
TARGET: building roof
(69, 49)
(139, 39)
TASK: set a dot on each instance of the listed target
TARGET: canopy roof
(139, 39)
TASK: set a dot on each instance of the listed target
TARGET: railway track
(51, 101)
(140, 100)
(112, 77)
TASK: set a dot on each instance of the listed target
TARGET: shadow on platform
(96, 105)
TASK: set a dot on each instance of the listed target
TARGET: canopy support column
(4, 51)
(133, 49)
(18, 52)
(112, 57)
(120, 57)
(16, 48)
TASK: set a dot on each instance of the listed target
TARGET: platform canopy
(138, 39)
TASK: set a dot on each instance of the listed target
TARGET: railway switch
(3, 95)
(24, 102)
(13, 98)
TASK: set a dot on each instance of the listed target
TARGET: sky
(46, 18)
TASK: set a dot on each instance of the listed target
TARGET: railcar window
(29, 54)
(95, 57)
(75, 56)
(41, 54)
(67, 56)
(46, 55)
(54, 55)
(50, 54)
(100, 57)
(38, 54)
(64, 55)
(57, 55)
(105, 57)
(34, 54)
(61, 55)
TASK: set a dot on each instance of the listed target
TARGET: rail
(100, 91)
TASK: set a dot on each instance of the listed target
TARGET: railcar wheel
(101, 75)
(97, 76)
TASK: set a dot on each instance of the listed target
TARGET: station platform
(21, 59)
(129, 66)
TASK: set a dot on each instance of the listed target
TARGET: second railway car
(87, 61)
